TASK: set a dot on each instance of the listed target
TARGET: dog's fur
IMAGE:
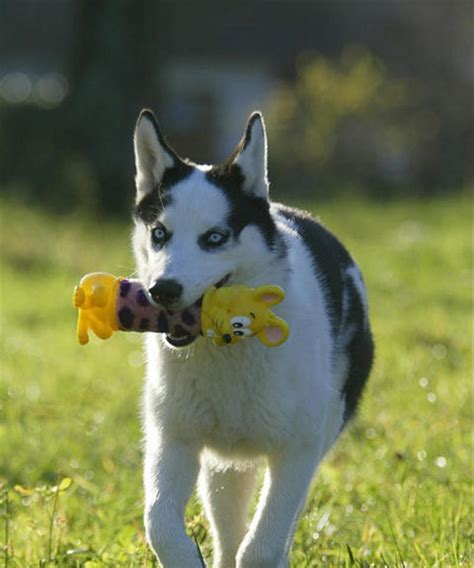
(214, 414)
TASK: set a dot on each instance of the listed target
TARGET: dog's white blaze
(196, 205)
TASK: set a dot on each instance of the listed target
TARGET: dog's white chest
(229, 399)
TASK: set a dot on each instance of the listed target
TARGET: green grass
(395, 491)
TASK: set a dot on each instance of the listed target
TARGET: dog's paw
(253, 556)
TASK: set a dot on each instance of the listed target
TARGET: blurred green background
(368, 108)
(367, 97)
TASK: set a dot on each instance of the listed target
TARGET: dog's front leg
(171, 469)
(287, 479)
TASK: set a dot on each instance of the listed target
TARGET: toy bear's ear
(269, 295)
(274, 334)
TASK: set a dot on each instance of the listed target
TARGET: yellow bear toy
(95, 298)
(232, 313)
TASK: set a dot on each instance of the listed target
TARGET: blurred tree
(387, 118)
(347, 122)
(81, 151)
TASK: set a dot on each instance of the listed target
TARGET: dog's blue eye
(215, 239)
(159, 235)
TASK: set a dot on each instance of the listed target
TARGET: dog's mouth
(222, 282)
(180, 337)
(180, 340)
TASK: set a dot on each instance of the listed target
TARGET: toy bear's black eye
(238, 333)
(237, 325)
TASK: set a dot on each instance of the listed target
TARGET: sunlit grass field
(396, 490)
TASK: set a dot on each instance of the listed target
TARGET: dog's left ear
(251, 157)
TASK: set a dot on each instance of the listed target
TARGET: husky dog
(212, 414)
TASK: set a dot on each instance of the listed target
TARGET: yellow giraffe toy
(95, 298)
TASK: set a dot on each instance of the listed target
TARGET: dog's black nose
(227, 338)
(166, 291)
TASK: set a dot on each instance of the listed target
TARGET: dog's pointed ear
(251, 156)
(153, 155)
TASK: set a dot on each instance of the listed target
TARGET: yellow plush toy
(107, 303)
(232, 313)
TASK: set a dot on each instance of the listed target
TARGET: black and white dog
(213, 415)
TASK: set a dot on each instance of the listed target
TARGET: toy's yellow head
(233, 313)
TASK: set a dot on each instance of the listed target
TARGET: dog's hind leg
(226, 494)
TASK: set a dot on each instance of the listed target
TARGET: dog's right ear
(251, 156)
(152, 153)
